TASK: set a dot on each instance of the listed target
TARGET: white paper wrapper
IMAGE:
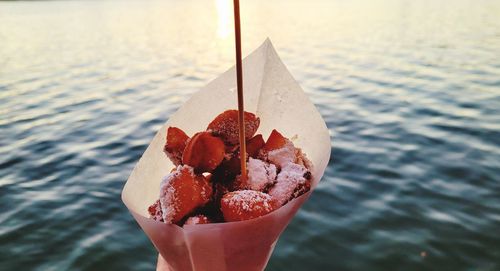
(272, 94)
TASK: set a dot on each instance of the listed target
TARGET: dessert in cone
(237, 240)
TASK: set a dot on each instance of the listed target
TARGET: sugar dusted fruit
(197, 219)
(226, 126)
(155, 211)
(246, 204)
(292, 181)
(261, 175)
(279, 150)
(206, 186)
(175, 145)
(181, 192)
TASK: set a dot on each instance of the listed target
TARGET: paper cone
(272, 94)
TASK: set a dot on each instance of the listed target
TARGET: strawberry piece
(226, 126)
(155, 211)
(293, 181)
(278, 150)
(181, 192)
(275, 141)
(197, 219)
(261, 175)
(246, 204)
(204, 152)
(230, 167)
(175, 145)
(254, 145)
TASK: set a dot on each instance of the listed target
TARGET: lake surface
(410, 91)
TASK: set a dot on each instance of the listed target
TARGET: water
(409, 89)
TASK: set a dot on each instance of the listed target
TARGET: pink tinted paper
(273, 94)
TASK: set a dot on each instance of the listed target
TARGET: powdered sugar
(283, 155)
(245, 201)
(198, 219)
(205, 193)
(155, 211)
(183, 192)
(260, 174)
(290, 183)
(226, 125)
(168, 197)
(169, 202)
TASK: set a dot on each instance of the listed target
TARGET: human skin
(162, 264)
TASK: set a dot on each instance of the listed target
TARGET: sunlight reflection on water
(409, 91)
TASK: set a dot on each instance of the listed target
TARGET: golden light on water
(224, 18)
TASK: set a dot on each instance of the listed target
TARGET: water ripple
(410, 97)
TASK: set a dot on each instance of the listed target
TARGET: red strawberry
(246, 204)
(254, 145)
(181, 192)
(278, 150)
(155, 211)
(275, 141)
(175, 145)
(226, 126)
(204, 152)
